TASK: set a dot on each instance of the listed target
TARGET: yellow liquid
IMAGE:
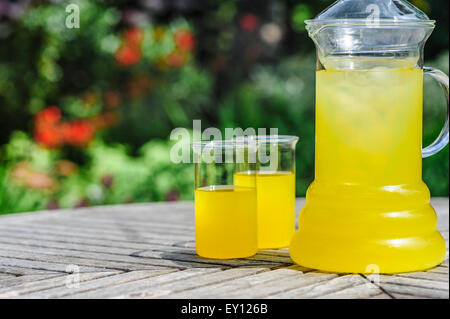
(276, 206)
(225, 222)
(368, 205)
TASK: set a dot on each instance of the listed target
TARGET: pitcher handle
(442, 140)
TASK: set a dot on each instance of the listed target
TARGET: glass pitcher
(368, 207)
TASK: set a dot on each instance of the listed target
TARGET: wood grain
(148, 251)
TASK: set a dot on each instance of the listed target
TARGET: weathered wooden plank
(285, 282)
(425, 288)
(67, 280)
(261, 255)
(111, 228)
(282, 258)
(6, 276)
(329, 287)
(176, 212)
(401, 296)
(408, 291)
(156, 254)
(18, 280)
(356, 292)
(173, 259)
(441, 269)
(427, 275)
(92, 222)
(220, 290)
(413, 282)
(127, 289)
(100, 261)
(21, 271)
(441, 206)
(381, 296)
(185, 244)
(53, 244)
(39, 265)
(135, 212)
(118, 235)
(94, 284)
(157, 250)
(99, 242)
(200, 280)
(60, 262)
(190, 255)
(133, 237)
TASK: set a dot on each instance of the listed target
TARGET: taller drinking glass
(368, 207)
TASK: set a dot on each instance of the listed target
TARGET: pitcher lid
(371, 12)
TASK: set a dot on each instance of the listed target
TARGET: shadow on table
(184, 254)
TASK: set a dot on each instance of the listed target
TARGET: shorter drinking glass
(275, 184)
(225, 213)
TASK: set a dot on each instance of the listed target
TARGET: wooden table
(147, 251)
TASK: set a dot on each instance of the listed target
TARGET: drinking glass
(225, 212)
(275, 185)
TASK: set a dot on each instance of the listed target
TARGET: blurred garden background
(86, 114)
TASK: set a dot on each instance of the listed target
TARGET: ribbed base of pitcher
(349, 254)
(351, 228)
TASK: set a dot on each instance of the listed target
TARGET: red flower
(185, 40)
(134, 36)
(249, 22)
(128, 55)
(47, 130)
(130, 52)
(49, 136)
(78, 133)
(48, 116)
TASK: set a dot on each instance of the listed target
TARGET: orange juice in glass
(275, 186)
(225, 213)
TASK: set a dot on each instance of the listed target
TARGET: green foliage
(176, 99)
(435, 168)
(151, 176)
(232, 79)
(301, 13)
(14, 197)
